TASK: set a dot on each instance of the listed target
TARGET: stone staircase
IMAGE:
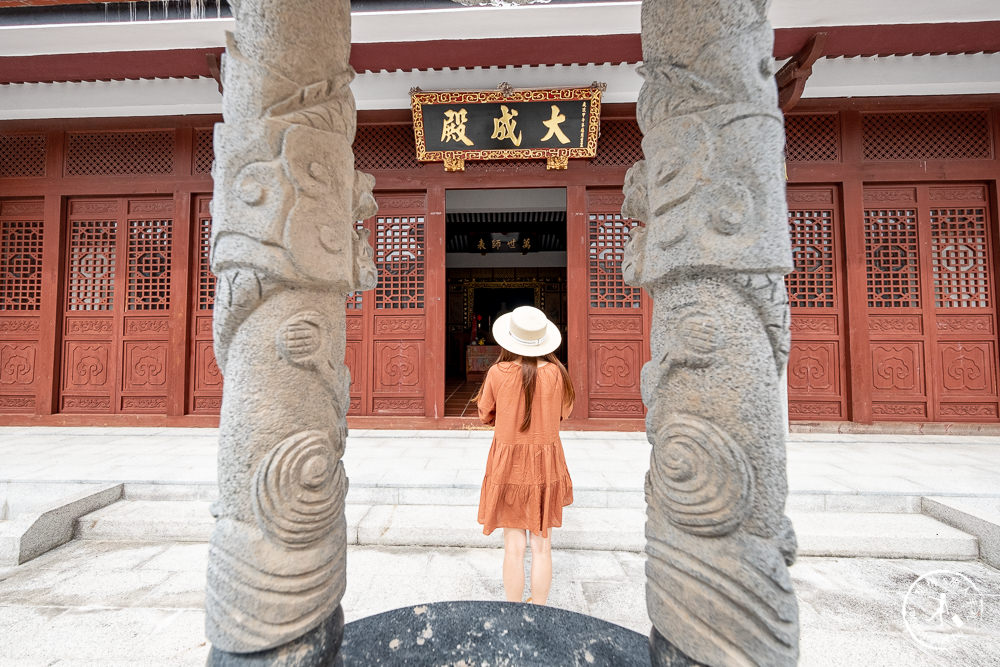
(844, 525)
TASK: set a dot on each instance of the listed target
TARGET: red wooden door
(617, 327)
(204, 377)
(21, 231)
(817, 369)
(931, 303)
(116, 306)
(386, 328)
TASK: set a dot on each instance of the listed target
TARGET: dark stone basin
(490, 633)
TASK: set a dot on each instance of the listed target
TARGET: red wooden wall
(106, 295)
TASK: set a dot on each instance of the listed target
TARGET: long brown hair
(529, 370)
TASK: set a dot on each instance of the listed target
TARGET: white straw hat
(527, 332)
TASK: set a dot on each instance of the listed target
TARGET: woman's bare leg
(513, 563)
(541, 568)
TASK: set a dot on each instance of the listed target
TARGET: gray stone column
(712, 255)
(285, 252)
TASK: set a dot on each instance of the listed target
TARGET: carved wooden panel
(974, 412)
(975, 325)
(897, 368)
(967, 368)
(147, 326)
(813, 367)
(399, 327)
(208, 377)
(899, 411)
(823, 325)
(894, 325)
(819, 410)
(19, 327)
(17, 364)
(615, 326)
(614, 367)
(353, 357)
(88, 366)
(398, 367)
(612, 408)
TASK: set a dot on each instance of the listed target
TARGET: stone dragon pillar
(286, 253)
(713, 254)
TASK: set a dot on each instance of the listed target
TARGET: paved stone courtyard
(92, 602)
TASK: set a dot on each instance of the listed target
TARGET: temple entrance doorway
(504, 248)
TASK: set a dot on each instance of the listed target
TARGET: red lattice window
(960, 256)
(355, 299)
(204, 152)
(608, 235)
(620, 143)
(379, 147)
(149, 246)
(206, 279)
(812, 284)
(812, 138)
(946, 135)
(22, 155)
(399, 256)
(119, 153)
(91, 275)
(20, 264)
(891, 258)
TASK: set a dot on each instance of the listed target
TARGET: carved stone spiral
(299, 489)
(700, 477)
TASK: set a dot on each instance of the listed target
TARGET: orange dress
(527, 483)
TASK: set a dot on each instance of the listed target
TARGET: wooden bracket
(214, 68)
(792, 76)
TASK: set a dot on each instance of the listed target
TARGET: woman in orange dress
(524, 396)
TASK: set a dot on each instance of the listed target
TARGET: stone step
(877, 535)
(976, 516)
(583, 496)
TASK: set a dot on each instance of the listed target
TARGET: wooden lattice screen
(119, 153)
(944, 135)
(22, 155)
(620, 143)
(812, 138)
(204, 152)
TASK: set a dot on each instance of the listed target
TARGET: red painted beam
(842, 41)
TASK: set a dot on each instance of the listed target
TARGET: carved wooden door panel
(116, 306)
(931, 303)
(617, 315)
(21, 236)
(205, 378)
(817, 369)
(399, 378)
